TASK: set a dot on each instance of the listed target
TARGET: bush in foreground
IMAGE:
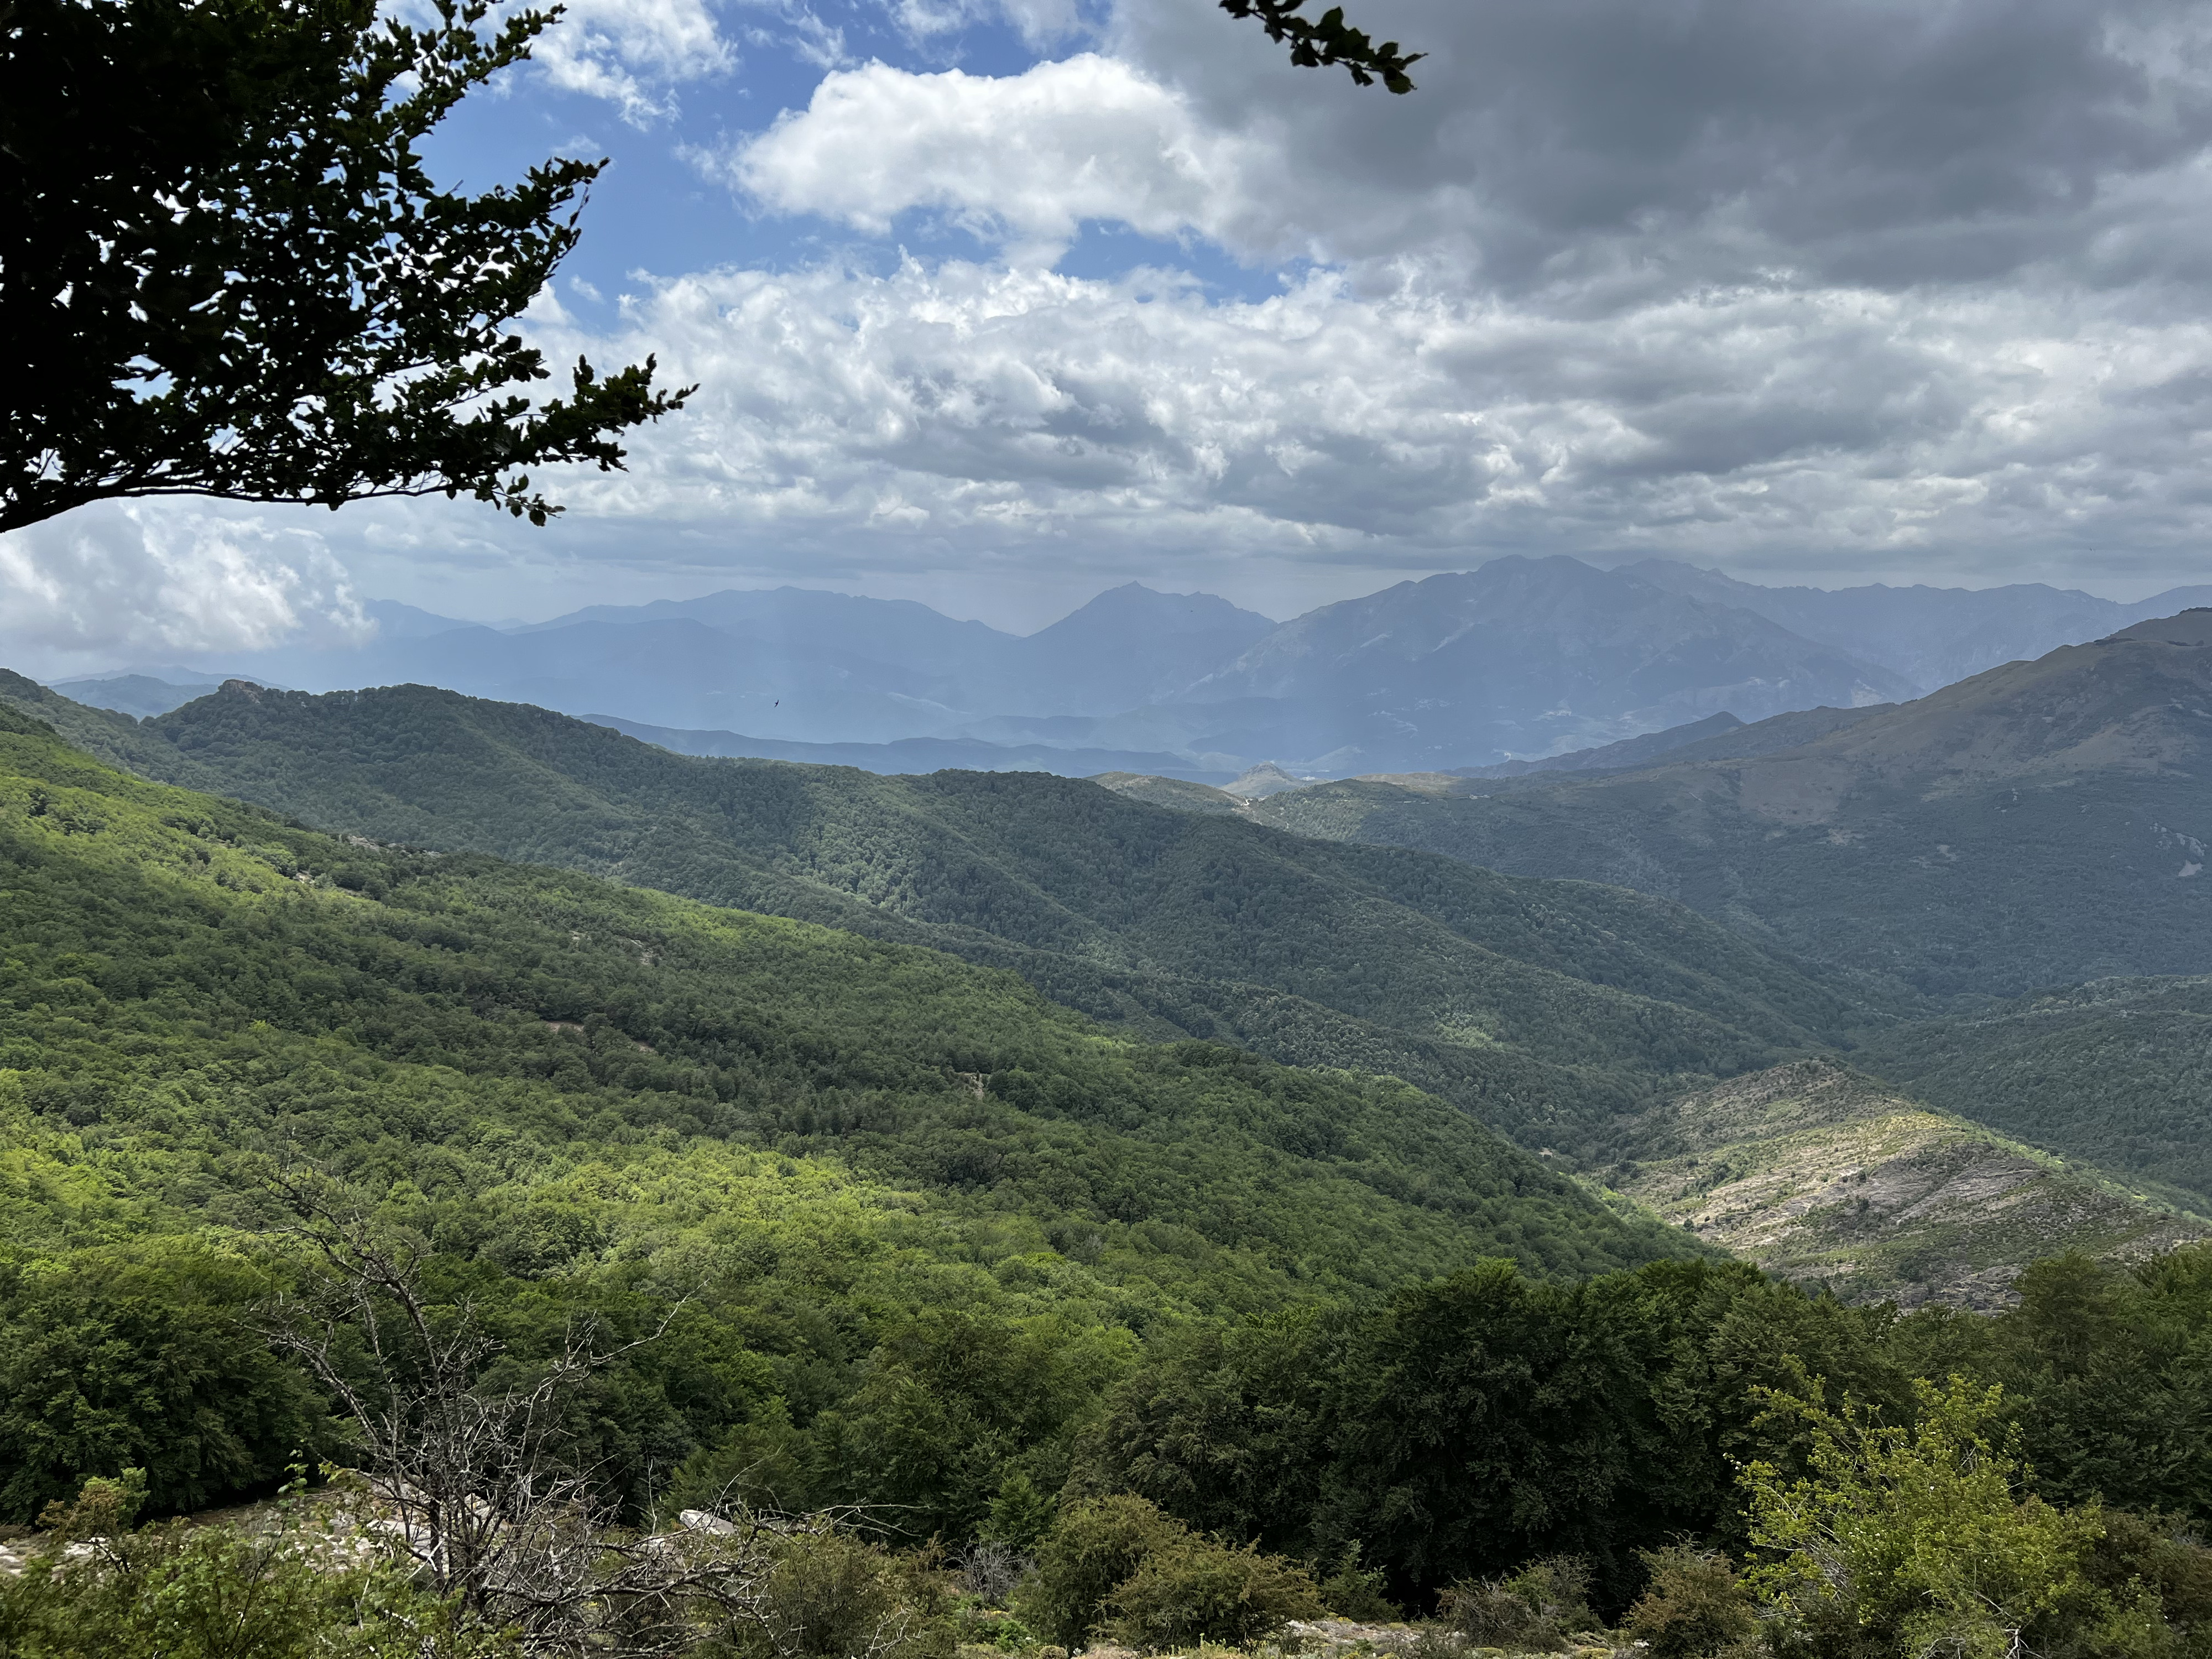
(1120, 1564)
(1536, 1607)
(1198, 1590)
(1694, 1607)
(179, 1591)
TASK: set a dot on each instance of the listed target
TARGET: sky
(996, 303)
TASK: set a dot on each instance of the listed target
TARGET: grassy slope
(1542, 1007)
(2117, 1073)
(185, 979)
(1824, 1177)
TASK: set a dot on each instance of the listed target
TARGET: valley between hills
(1349, 1186)
(1375, 936)
(1487, 1090)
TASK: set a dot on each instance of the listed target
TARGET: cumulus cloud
(1871, 284)
(1040, 23)
(1024, 158)
(1582, 146)
(119, 581)
(1725, 279)
(1876, 142)
(969, 401)
(632, 52)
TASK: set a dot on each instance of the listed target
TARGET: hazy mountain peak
(894, 623)
(1134, 603)
(395, 621)
(1519, 658)
(2121, 702)
(1933, 636)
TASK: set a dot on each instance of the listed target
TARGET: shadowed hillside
(1542, 1007)
(2040, 824)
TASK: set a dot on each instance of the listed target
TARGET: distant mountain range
(1507, 667)
(782, 665)
(1931, 636)
(2040, 824)
(1521, 657)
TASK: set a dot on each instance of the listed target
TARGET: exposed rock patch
(1826, 1177)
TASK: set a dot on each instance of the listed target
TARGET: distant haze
(1518, 659)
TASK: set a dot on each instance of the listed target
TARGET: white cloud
(1863, 285)
(1869, 285)
(632, 52)
(119, 580)
(1025, 158)
(1041, 23)
(968, 406)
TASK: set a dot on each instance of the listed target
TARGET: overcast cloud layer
(1796, 288)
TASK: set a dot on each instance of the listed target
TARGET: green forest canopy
(1544, 1008)
(552, 1071)
(1255, 1295)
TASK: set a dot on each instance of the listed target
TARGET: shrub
(1432, 1641)
(1195, 1590)
(761, 1464)
(832, 1596)
(2157, 1551)
(1693, 1607)
(1916, 1535)
(1093, 1549)
(1916, 1538)
(1351, 1593)
(178, 1591)
(1020, 1514)
(1534, 1607)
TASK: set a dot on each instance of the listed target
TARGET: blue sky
(996, 303)
(655, 207)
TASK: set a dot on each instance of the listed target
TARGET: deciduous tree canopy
(1323, 42)
(224, 270)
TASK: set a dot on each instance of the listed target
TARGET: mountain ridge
(1832, 1179)
(1523, 1002)
(1517, 661)
(1898, 844)
(1521, 657)
(1931, 636)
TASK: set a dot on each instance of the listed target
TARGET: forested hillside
(555, 1075)
(2116, 1072)
(1543, 1007)
(2042, 823)
(869, 1226)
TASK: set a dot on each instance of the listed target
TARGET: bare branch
(479, 1488)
